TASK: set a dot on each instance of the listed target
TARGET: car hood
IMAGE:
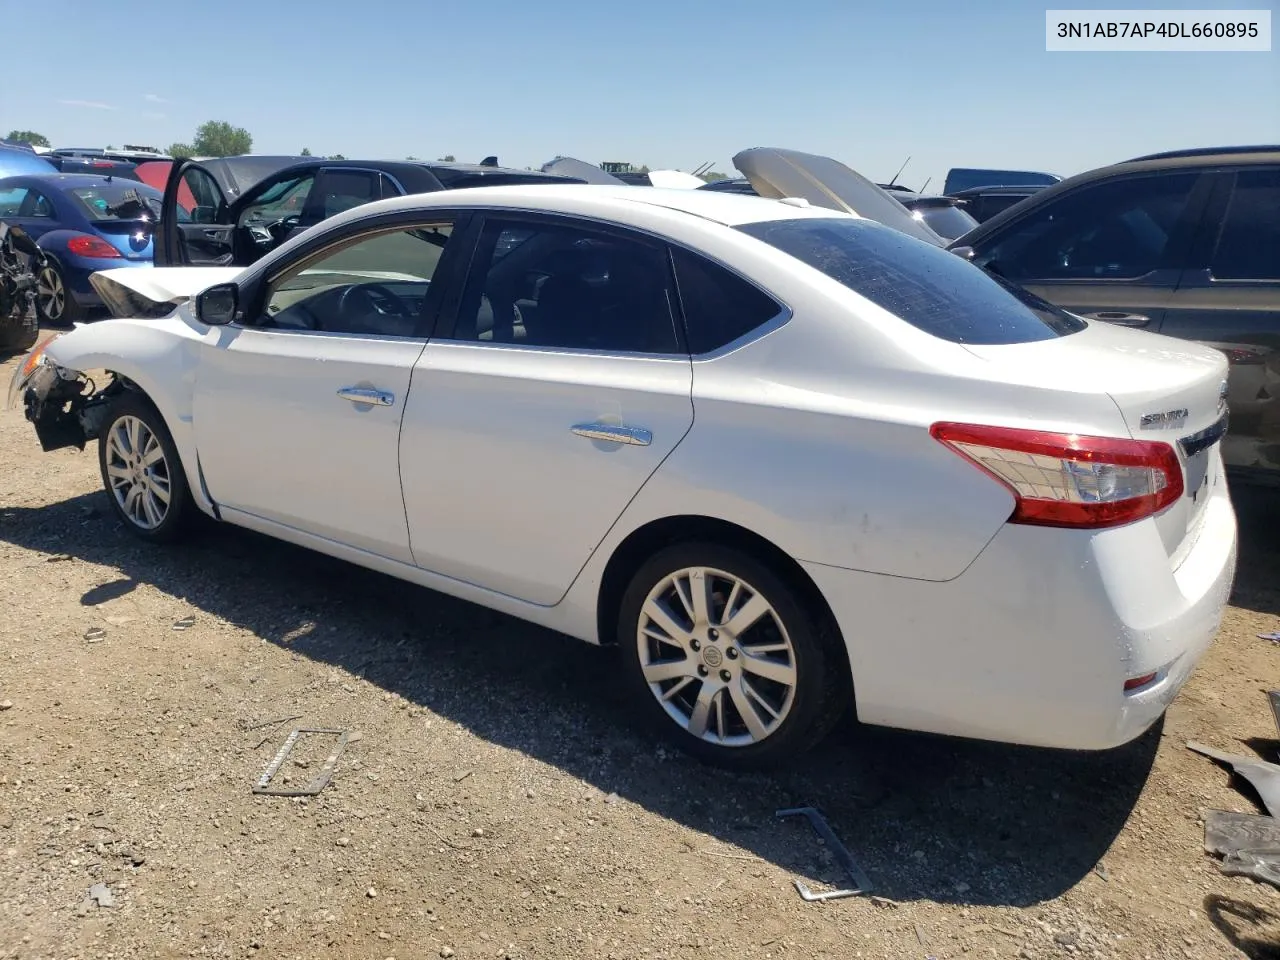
(155, 292)
(571, 167)
(824, 182)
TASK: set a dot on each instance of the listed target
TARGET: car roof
(68, 181)
(730, 209)
(1211, 152)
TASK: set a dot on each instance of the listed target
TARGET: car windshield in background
(125, 200)
(946, 220)
(929, 288)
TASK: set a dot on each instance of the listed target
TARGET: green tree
(29, 136)
(413, 158)
(712, 176)
(448, 158)
(306, 152)
(180, 150)
(217, 138)
(336, 156)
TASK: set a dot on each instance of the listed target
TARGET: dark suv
(1186, 244)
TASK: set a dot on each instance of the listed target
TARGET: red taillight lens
(86, 245)
(1134, 683)
(1067, 480)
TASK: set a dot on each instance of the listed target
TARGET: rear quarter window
(929, 288)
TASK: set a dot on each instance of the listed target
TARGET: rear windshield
(946, 220)
(123, 200)
(928, 287)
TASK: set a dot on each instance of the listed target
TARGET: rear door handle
(1119, 318)
(614, 433)
(378, 398)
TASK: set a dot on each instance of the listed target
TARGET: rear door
(341, 188)
(29, 208)
(1229, 298)
(195, 227)
(538, 414)
(1111, 250)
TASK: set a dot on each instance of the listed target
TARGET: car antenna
(926, 183)
(900, 169)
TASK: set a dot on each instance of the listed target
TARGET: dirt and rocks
(497, 800)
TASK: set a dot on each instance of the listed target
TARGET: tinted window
(117, 200)
(1249, 245)
(927, 287)
(948, 222)
(719, 307)
(550, 285)
(1115, 230)
(287, 198)
(373, 287)
(12, 200)
(344, 189)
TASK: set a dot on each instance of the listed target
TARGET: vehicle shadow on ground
(926, 817)
(1258, 511)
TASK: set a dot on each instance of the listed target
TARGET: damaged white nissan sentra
(786, 459)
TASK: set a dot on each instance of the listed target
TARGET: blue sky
(658, 82)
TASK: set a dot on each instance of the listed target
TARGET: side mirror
(965, 252)
(201, 214)
(217, 305)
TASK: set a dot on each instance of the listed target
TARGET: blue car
(84, 223)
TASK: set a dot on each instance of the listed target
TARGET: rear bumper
(1033, 643)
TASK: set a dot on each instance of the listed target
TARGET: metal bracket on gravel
(263, 786)
(861, 884)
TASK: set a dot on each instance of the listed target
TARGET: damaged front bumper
(65, 406)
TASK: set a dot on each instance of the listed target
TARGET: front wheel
(141, 471)
(726, 657)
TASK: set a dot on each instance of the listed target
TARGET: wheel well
(645, 541)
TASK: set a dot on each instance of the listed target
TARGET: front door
(297, 413)
(1109, 251)
(539, 413)
(195, 228)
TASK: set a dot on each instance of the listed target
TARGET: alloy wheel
(138, 472)
(51, 294)
(717, 656)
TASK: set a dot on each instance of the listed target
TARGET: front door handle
(1119, 318)
(378, 398)
(614, 433)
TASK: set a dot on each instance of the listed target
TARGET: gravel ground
(496, 800)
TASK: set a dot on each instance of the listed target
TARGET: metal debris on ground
(1273, 637)
(186, 623)
(272, 723)
(861, 884)
(94, 634)
(1274, 697)
(263, 786)
(1249, 844)
(1264, 776)
(101, 894)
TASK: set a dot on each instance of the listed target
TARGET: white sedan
(788, 460)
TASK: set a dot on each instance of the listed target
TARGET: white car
(788, 460)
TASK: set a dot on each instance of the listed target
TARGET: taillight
(86, 245)
(1067, 480)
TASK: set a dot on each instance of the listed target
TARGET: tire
(18, 334)
(804, 696)
(55, 305)
(136, 481)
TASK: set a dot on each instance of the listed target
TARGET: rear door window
(1249, 244)
(929, 288)
(719, 306)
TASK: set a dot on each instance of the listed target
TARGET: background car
(20, 160)
(1184, 243)
(84, 224)
(965, 178)
(787, 459)
(983, 203)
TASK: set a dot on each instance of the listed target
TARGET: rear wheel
(54, 303)
(726, 658)
(141, 471)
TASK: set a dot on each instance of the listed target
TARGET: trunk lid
(156, 292)
(1167, 390)
(133, 238)
(827, 183)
